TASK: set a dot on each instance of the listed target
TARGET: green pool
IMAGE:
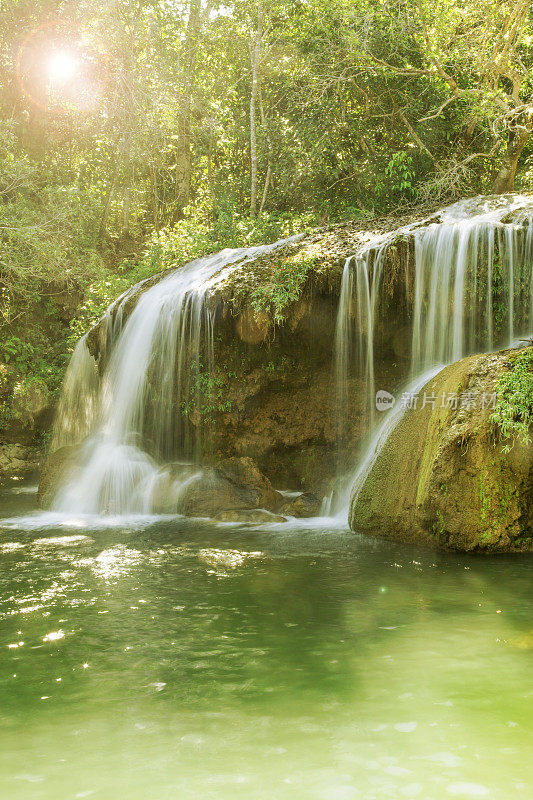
(177, 659)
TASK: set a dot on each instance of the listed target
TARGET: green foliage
(401, 177)
(30, 369)
(274, 366)
(198, 235)
(31, 359)
(48, 223)
(207, 393)
(513, 415)
(283, 286)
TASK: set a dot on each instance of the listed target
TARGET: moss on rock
(445, 477)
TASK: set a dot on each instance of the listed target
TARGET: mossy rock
(444, 478)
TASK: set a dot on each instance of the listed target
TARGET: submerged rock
(305, 505)
(443, 477)
(233, 484)
(254, 516)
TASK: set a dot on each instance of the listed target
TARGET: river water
(170, 658)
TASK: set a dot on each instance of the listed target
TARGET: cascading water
(77, 405)
(457, 307)
(359, 297)
(133, 420)
(454, 301)
(468, 286)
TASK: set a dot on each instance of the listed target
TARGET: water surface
(178, 659)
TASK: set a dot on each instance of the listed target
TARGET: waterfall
(134, 418)
(77, 405)
(464, 283)
(381, 435)
(359, 298)
(472, 291)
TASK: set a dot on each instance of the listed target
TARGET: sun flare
(62, 67)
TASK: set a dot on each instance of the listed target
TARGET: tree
(256, 61)
(479, 54)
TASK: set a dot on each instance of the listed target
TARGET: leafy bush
(513, 415)
(208, 393)
(283, 287)
(197, 235)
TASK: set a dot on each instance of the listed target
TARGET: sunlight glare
(62, 67)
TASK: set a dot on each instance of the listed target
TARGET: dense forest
(137, 134)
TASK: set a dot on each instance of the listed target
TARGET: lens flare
(60, 71)
(62, 67)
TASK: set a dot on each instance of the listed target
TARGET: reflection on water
(178, 659)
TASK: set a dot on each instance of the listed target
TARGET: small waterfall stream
(132, 417)
(473, 257)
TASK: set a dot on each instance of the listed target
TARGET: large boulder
(305, 505)
(445, 476)
(208, 493)
(244, 472)
(233, 484)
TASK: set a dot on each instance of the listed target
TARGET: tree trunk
(126, 205)
(153, 195)
(269, 147)
(256, 57)
(183, 150)
(110, 188)
(210, 171)
(517, 141)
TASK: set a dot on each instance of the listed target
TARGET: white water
(469, 288)
(359, 299)
(77, 405)
(379, 439)
(456, 262)
(473, 256)
(134, 420)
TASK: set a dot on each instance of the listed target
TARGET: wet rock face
(444, 479)
(253, 327)
(305, 505)
(280, 397)
(57, 469)
(233, 484)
